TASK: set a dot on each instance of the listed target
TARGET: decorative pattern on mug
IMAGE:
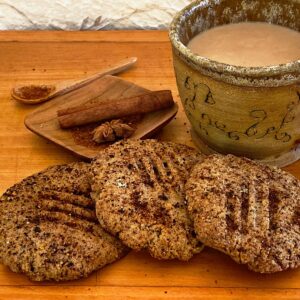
(201, 93)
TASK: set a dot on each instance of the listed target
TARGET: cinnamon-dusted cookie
(247, 210)
(138, 187)
(48, 226)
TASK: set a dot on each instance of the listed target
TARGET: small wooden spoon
(34, 94)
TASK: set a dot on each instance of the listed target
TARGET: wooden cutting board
(43, 121)
(45, 57)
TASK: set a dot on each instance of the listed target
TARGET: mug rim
(266, 76)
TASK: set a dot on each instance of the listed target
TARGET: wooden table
(38, 57)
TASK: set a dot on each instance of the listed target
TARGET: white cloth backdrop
(87, 14)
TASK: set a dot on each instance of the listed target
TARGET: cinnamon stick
(114, 109)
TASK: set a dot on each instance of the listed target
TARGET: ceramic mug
(248, 111)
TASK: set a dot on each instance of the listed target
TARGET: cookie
(49, 229)
(247, 210)
(138, 187)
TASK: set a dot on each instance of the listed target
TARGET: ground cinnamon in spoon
(33, 91)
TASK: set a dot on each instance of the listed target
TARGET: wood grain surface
(46, 57)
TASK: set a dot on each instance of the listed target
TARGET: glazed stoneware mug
(246, 111)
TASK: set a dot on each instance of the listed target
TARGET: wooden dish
(43, 121)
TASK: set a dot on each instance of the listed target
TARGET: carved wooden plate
(43, 121)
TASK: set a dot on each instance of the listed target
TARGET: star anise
(111, 131)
